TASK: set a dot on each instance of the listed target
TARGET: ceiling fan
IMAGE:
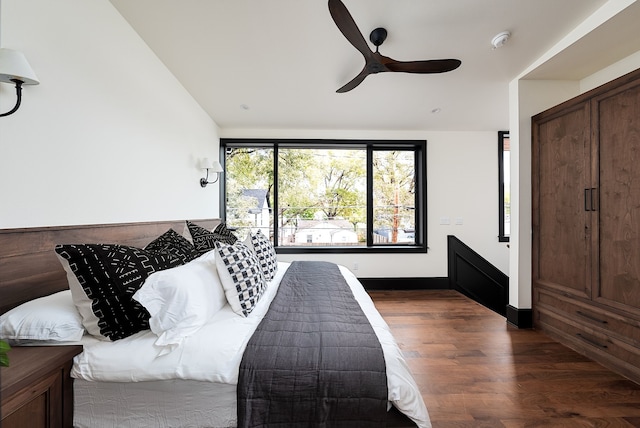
(374, 61)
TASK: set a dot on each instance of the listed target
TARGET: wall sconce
(14, 68)
(213, 166)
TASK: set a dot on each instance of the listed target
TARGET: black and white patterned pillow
(175, 244)
(103, 278)
(205, 240)
(223, 234)
(265, 252)
(241, 276)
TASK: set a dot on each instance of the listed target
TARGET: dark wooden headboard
(29, 267)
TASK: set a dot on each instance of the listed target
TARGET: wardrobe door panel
(618, 137)
(561, 232)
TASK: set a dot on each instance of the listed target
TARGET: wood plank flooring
(475, 370)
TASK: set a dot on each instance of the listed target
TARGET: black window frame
(418, 146)
(502, 237)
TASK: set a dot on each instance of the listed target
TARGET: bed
(191, 380)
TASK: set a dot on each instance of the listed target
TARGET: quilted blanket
(314, 360)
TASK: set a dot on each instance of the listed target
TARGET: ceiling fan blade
(355, 81)
(427, 66)
(348, 27)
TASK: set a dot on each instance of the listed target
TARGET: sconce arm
(205, 181)
(18, 95)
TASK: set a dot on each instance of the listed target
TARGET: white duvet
(214, 352)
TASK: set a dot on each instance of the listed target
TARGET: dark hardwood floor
(474, 370)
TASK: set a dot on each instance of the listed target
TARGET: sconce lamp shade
(210, 166)
(213, 166)
(14, 66)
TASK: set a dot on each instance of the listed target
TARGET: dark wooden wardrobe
(586, 224)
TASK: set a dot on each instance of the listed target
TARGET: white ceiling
(284, 59)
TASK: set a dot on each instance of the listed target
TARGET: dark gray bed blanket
(314, 360)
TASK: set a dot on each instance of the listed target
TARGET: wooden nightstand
(36, 388)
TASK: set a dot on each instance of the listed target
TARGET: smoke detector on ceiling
(500, 39)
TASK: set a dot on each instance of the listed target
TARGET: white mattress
(121, 381)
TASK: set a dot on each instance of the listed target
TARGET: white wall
(111, 136)
(462, 181)
(108, 136)
(622, 67)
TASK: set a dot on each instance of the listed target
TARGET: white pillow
(241, 276)
(180, 300)
(52, 317)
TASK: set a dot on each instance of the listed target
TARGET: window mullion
(276, 212)
(369, 195)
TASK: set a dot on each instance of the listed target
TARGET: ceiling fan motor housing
(378, 36)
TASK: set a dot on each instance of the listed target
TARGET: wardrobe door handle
(587, 200)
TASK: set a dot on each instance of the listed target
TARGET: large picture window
(327, 195)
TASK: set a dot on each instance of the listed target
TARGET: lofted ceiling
(276, 64)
